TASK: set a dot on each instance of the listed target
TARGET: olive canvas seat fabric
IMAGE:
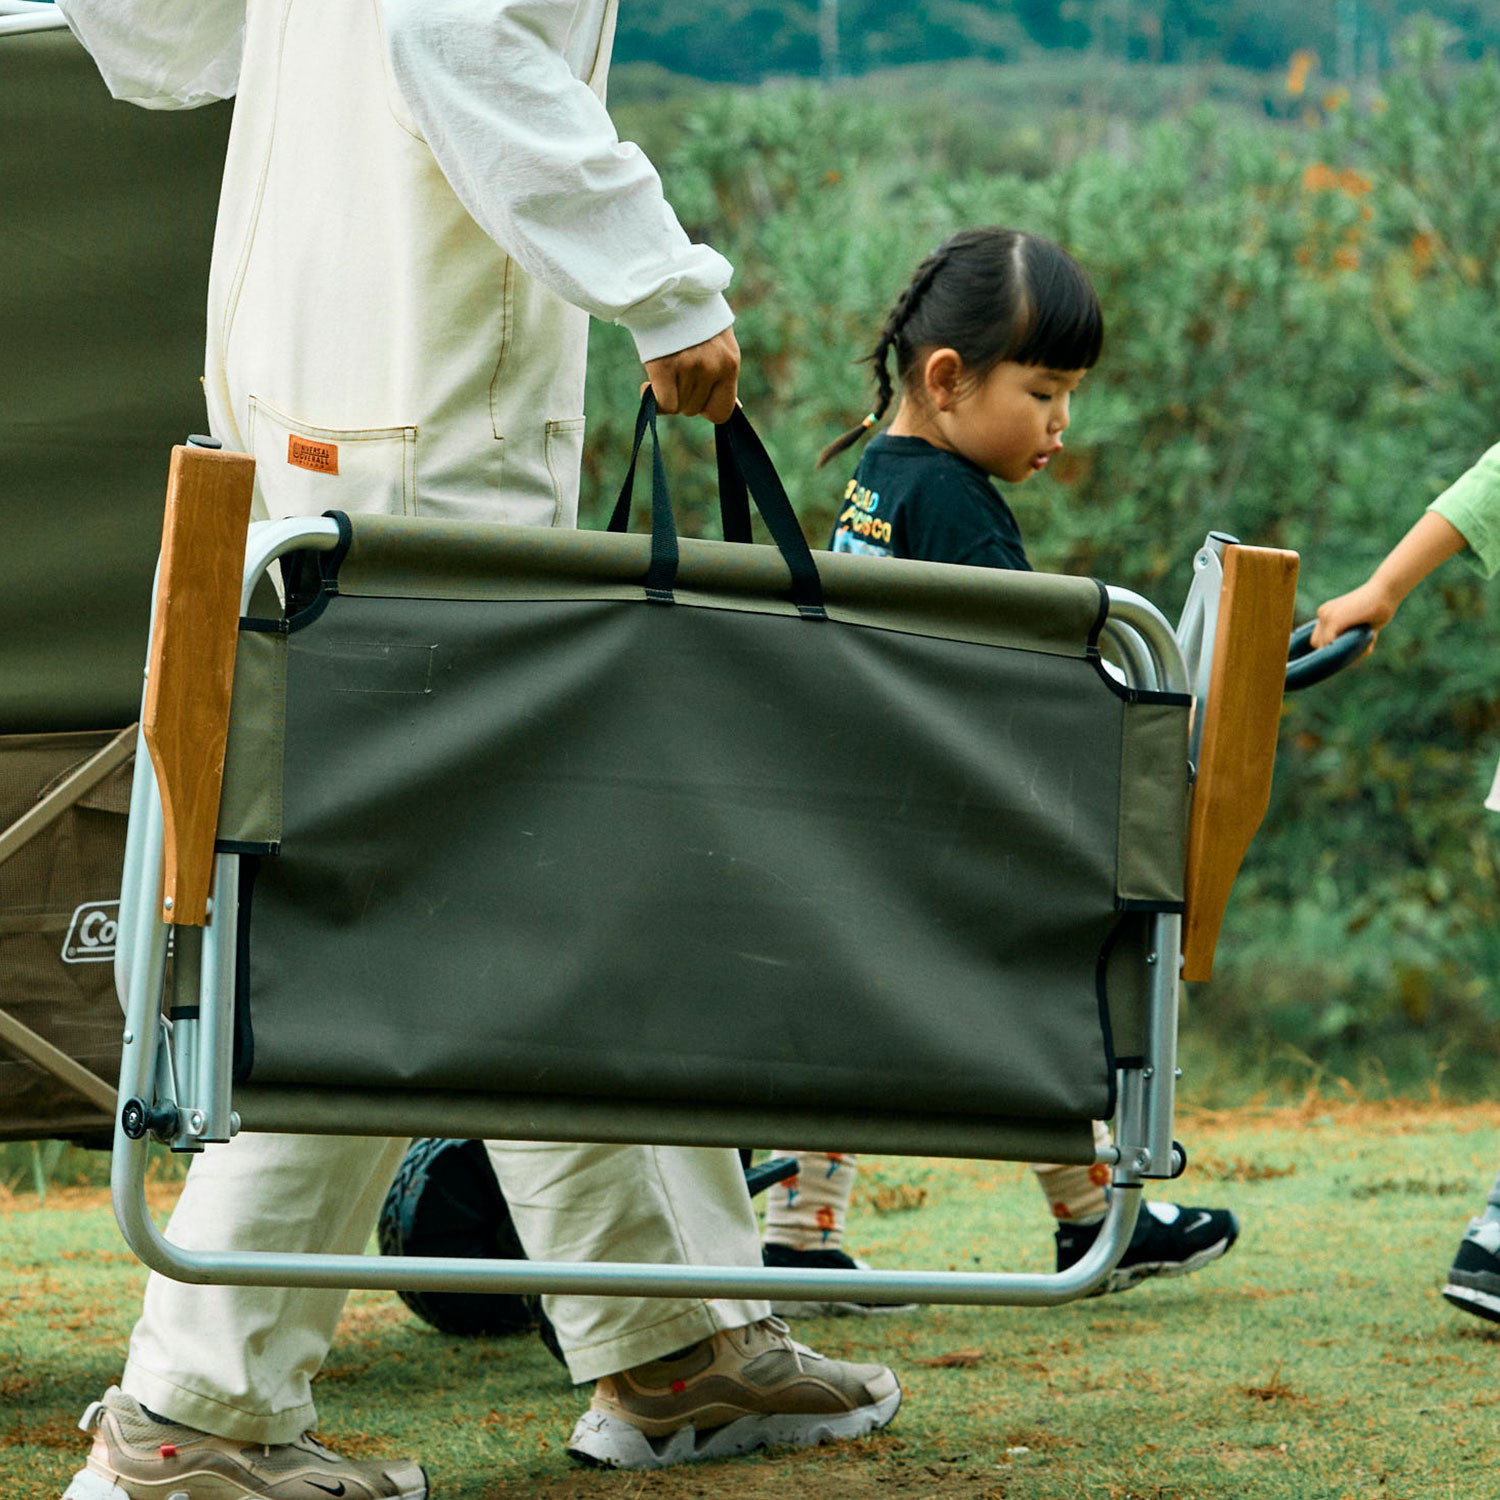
(104, 243)
(536, 834)
(104, 240)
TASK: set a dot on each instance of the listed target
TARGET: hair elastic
(870, 420)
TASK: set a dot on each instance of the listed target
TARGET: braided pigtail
(889, 337)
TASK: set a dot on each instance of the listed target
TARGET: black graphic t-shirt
(910, 499)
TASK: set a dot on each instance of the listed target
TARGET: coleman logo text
(91, 933)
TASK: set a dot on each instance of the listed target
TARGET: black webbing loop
(745, 473)
(766, 489)
(734, 498)
(662, 572)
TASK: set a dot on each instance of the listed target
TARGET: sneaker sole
(88, 1485)
(1470, 1299)
(603, 1441)
(1122, 1278)
(840, 1309)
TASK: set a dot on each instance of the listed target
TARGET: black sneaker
(825, 1260)
(1474, 1277)
(1168, 1241)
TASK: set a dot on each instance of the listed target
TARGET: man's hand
(702, 379)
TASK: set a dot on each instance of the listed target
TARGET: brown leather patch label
(305, 453)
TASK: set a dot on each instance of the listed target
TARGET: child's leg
(1077, 1195)
(807, 1212)
(1168, 1240)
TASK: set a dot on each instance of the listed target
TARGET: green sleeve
(1472, 504)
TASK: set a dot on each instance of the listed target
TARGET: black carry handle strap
(745, 472)
(662, 572)
(734, 499)
(737, 441)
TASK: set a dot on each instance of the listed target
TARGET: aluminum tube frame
(1143, 1123)
(202, 1049)
(1197, 627)
(621, 1279)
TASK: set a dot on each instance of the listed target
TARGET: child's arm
(1466, 514)
(1431, 541)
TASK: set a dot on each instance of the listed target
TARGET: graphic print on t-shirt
(860, 528)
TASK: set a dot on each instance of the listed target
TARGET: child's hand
(1369, 604)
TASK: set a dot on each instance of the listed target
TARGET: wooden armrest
(1240, 719)
(190, 671)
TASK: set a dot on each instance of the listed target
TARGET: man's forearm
(533, 156)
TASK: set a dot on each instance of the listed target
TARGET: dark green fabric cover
(59, 903)
(603, 847)
(107, 218)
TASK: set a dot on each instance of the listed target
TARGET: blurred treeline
(1303, 348)
(745, 41)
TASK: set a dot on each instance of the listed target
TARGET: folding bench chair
(99, 374)
(498, 831)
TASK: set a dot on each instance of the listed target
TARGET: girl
(992, 336)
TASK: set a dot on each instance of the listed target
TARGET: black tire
(445, 1201)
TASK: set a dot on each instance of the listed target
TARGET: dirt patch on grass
(57, 1432)
(362, 1319)
(1238, 1169)
(1351, 1113)
(872, 1470)
(161, 1197)
(1413, 1187)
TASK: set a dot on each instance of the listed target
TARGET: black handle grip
(745, 470)
(1304, 666)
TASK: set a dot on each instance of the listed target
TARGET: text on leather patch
(321, 458)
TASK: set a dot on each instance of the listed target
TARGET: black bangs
(991, 295)
(1061, 325)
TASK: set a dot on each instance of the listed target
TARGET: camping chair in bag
(584, 836)
(99, 374)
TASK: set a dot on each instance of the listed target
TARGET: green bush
(1303, 348)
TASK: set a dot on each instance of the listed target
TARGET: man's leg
(677, 1379)
(663, 1205)
(217, 1388)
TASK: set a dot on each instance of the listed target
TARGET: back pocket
(303, 470)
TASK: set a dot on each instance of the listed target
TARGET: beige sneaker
(742, 1389)
(135, 1457)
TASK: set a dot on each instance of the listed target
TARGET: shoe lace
(780, 1333)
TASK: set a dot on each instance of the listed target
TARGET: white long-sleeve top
(505, 109)
(417, 194)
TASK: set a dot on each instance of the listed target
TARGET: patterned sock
(807, 1212)
(1077, 1195)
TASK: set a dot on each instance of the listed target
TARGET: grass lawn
(1316, 1361)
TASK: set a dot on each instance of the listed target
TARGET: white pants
(238, 1361)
